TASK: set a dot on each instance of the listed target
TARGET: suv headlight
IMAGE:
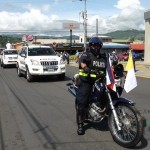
(62, 62)
(34, 62)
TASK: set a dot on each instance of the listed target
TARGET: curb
(143, 76)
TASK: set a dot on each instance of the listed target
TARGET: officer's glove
(100, 74)
(87, 70)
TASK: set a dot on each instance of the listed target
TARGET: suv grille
(49, 63)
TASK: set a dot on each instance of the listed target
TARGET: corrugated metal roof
(137, 46)
(120, 40)
(115, 45)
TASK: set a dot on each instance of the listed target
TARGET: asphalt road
(41, 115)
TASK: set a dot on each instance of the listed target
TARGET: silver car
(9, 57)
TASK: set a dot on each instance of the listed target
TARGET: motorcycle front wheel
(131, 124)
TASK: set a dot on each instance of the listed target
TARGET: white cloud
(54, 17)
(44, 7)
(30, 20)
(122, 4)
(130, 16)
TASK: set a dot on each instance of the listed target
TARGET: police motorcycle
(124, 120)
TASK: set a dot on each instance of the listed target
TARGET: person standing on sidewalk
(133, 57)
(77, 56)
(67, 57)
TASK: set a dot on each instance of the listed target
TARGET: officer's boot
(80, 130)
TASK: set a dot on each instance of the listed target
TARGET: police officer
(91, 65)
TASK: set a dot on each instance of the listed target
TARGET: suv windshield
(10, 52)
(40, 51)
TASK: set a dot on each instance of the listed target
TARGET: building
(119, 48)
(104, 38)
(121, 41)
(108, 45)
(147, 34)
(18, 46)
(60, 44)
(137, 47)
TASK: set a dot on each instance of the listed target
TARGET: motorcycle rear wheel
(131, 126)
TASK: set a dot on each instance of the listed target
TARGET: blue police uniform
(87, 78)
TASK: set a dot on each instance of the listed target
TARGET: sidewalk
(142, 68)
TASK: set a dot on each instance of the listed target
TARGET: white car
(39, 60)
(8, 57)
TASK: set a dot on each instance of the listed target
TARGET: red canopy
(139, 47)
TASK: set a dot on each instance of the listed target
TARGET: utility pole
(85, 25)
(97, 27)
(70, 40)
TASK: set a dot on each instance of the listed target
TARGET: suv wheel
(4, 66)
(19, 71)
(29, 76)
(1, 64)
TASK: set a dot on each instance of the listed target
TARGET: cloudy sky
(48, 15)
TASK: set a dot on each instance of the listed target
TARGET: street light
(85, 24)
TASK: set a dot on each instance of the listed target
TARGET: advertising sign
(30, 37)
(71, 25)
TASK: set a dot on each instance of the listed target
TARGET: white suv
(8, 57)
(39, 60)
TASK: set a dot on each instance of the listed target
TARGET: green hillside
(128, 34)
(5, 38)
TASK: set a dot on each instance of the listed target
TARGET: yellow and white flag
(130, 82)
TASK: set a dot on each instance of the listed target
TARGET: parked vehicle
(124, 120)
(139, 56)
(1, 54)
(1, 49)
(123, 56)
(142, 56)
(8, 57)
